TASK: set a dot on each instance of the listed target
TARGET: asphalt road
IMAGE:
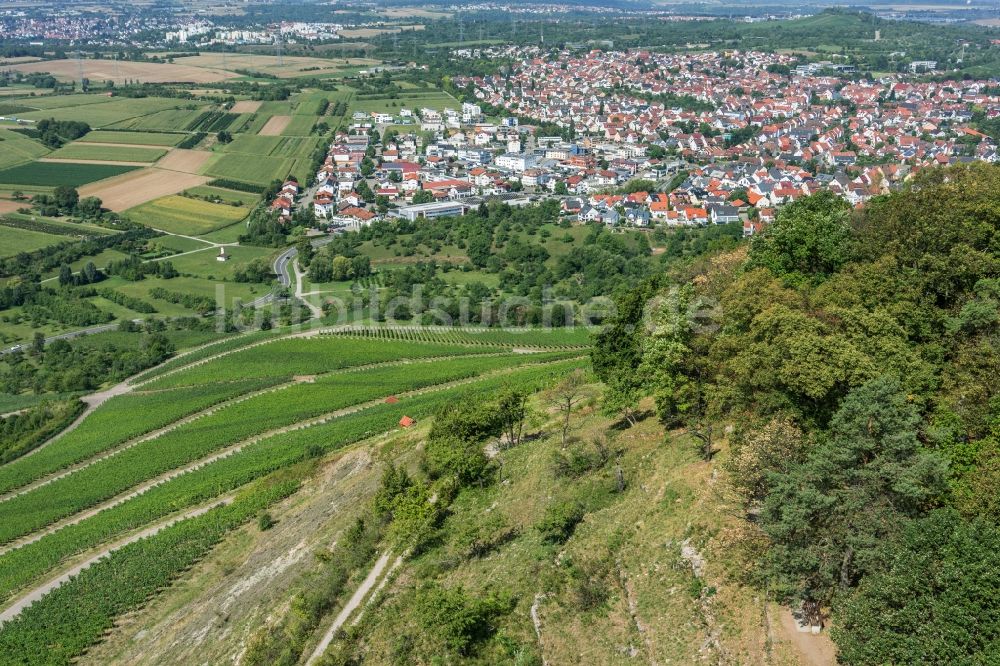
(281, 266)
(69, 335)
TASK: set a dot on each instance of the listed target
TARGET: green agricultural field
(52, 225)
(203, 263)
(307, 104)
(276, 108)
(121, 419)
(240, 124)
(83, 151)
(14, 240)
(230, 234)
(221, 193)
(274, 146)
(239, 422)
(254, 144)
(575, 336)
(175, 244)
(301, 169)
(152, 564)
(206, 287)
(184, 215)
(300, 126)
(225, 345)
(437, 100)
(254, 123)
(111, 112)
(16, 149)
(259, 170)
(51, 174)
(310, 356)
(64, 101)
(139, 138)
(169, 120)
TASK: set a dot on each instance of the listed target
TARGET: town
(513, 332)
(647, 139)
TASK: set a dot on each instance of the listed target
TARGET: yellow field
(118, 71)
(291, 66)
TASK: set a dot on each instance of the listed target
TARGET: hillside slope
(621, 588)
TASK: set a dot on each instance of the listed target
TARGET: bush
(560, 521)
(265, 521)
(459, 619)
(451, 456)
(576, 460)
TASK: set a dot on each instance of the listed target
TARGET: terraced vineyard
(305, 356)
(157, 477)
(119, 420)
(576, 336)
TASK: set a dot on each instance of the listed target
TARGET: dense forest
(851, 356)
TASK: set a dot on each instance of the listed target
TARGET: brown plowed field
(185, 161)
(275, 126)
(137, 187)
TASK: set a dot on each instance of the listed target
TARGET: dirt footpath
(275, 126)
(813, 649)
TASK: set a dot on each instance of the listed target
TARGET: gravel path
(354, 602)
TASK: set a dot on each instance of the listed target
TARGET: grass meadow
(138, 138)
(184, 215)
(83, 151)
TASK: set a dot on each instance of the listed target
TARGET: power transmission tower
(281, 60)
(461, 31)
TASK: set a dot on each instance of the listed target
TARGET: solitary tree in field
(512, 408)
(566, 395)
